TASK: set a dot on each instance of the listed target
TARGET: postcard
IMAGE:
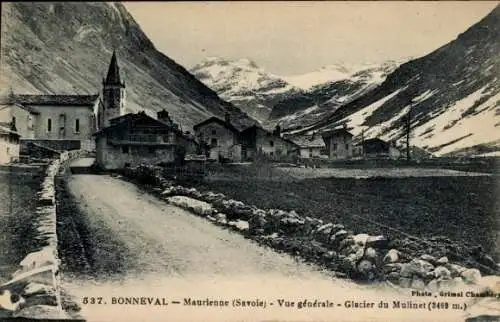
(250, 161)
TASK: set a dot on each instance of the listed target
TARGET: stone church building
(64, 122)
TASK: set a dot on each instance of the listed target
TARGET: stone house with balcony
(221, 137)
(134, 139)
(310, 147)
(338, 143)
(257, 142)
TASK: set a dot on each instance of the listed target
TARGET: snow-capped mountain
(342, 71)
(65, 48)
(268, 97)
(243, 83)
(327, 90)
(452, 94)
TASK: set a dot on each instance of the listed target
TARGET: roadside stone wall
(34, 290)
(420, 264)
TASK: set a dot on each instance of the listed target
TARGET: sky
(291, 38)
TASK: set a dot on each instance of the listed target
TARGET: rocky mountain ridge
(65, 48)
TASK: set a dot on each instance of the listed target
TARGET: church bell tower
(113, 93)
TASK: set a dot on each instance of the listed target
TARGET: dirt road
(158, 250)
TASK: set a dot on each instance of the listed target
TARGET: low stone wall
(431, 264)
(34, 290)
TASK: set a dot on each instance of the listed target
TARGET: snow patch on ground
(451, 126)
(356, 120)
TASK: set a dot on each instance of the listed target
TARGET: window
(77, 126)
(14, 120)
(125, 149)
(335, 146)
(271, 153)
(214, 142)
(151, 150)
(49, 125)
(214, 132)
(271, 143)
(347, 146)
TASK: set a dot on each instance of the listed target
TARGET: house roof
(27, 108)
(121, 120)
(309, 142)
(7, 130)
(214, 119)
(61, 100)
(336, 132)
(256, 127)
(374, 140)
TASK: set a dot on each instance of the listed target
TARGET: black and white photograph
(250, 161)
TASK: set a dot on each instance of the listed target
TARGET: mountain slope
(65, 48)
(453, 93)
(244, 84)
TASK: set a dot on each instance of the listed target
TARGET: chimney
(164, 117)
(277, 130)
(227, 118)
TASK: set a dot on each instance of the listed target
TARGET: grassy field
(17, 191)
(463, 208)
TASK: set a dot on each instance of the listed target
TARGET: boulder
(220, 218)
(417, 267)
(361, 239)
(371, 254)
(346, 243)
(442, 261)
(393, 277)
(377, 242)
(392, 267)
(339, 236)
(442, 272)
(337, 227)
(37, 288)
(45, 312)
(429, 258)
(367, 270)
(405, 282)
(471, 276)
(433, 286)
(348, 263)
(455, 270)
(417, 283)
(323, 232)
(392, 256)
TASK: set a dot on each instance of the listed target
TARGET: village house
(9, 143)
(257, 141)
(338, 143)
(222, 138)
(134, 139)
(311, 146)
(60, 122)
(376, 148)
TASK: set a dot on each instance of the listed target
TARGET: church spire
(113, 77)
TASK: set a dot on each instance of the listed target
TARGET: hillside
(453, 94)
(65, 48)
